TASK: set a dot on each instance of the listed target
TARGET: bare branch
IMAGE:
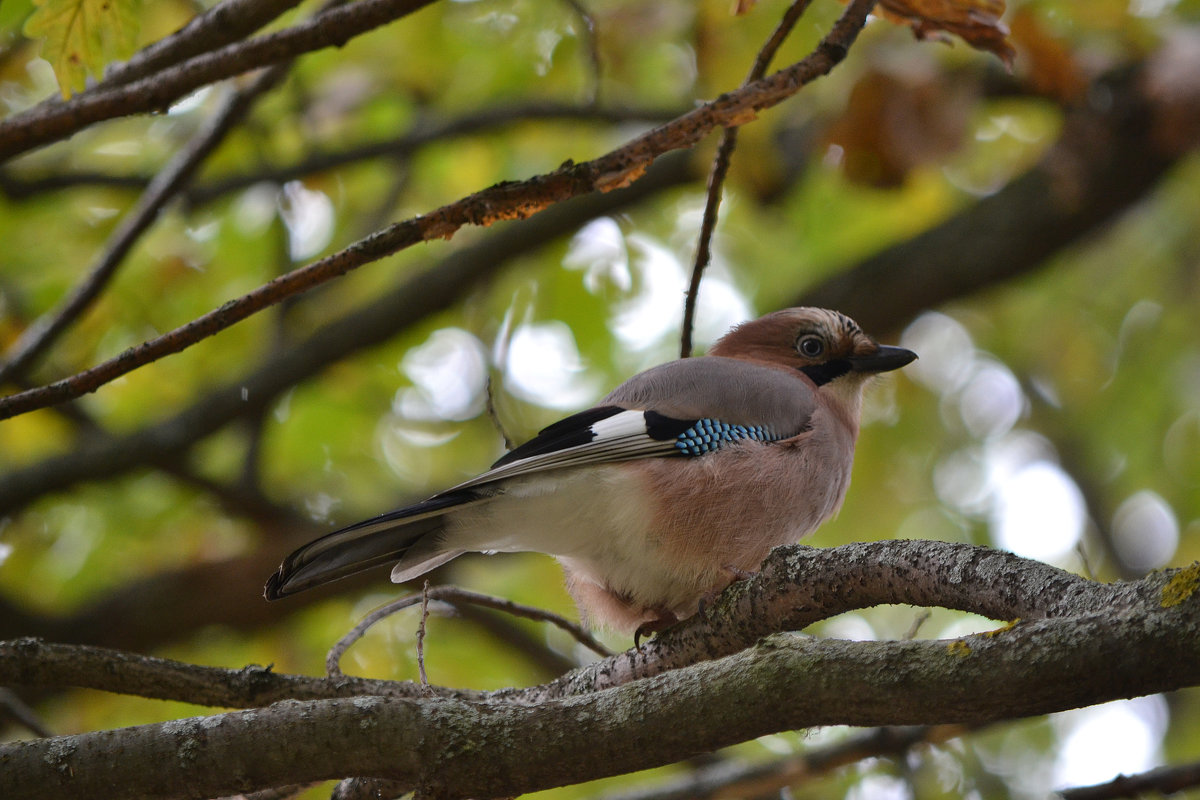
(35, 339)
(504, 201)
(797, 586)
(44, 124)
(416, 298)
(420, 637)
(1162, 781)
(591, 46)
(16, 186)
(1147, 635)
(806, 584)
(739, 779)
(226, 22)
(15, 709)
(494, 416)
(454, 596)
(38, 664)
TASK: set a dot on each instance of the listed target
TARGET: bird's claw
(663, 620)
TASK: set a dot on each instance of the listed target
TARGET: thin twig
(1163, 780)
(511, 200)
(919, 620)
(19, 712)
(455, 595)
(226, 22)
(334, 657)
(18, 187)
(421, 635)
(740, 779)
(39, 336)
(591, 44)
(418, 297)
(716, 180)
(720, 168)
(45, 124)
(509, 444)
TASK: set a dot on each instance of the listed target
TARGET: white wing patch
(620, 437)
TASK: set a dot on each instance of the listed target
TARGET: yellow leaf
(84, 36)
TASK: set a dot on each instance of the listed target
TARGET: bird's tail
(410, 535)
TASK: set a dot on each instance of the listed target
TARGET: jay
(679, 481)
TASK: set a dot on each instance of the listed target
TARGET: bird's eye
(811, 346)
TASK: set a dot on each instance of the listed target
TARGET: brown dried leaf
(976, 22)
(896, 121)
(1048, 61)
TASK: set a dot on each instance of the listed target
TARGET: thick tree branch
(44, 665)
(503, 201)
(1145, 639)
(992, 583)
(796, 587)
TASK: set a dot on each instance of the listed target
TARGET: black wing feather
(569, 432)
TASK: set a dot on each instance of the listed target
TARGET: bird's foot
(662, 620)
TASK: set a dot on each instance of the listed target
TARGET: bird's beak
(885, 359)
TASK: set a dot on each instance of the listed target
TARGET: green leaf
(82, 36)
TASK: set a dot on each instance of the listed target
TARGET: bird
(680, 481)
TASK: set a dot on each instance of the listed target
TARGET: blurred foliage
(1088, 369)
(79, 37)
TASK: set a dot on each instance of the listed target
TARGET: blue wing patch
(707, 435)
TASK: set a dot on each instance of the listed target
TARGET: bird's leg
(737, 574)
(663, 618)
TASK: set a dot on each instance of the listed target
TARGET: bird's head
(827, 346)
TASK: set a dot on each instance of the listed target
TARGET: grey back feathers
(728, 389)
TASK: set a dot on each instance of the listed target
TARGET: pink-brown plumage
(704, 540)
(680, 480)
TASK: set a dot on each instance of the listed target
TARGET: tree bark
(1145, 638)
